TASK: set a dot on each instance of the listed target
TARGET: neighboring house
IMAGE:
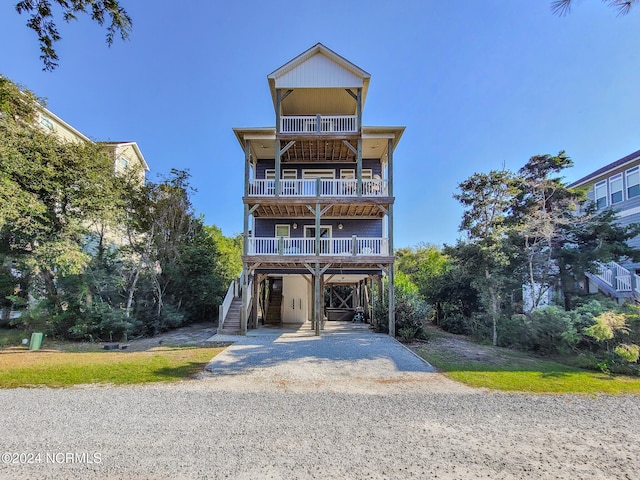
(616, 186)
(318, 200)
(127, 159)
(127, 156)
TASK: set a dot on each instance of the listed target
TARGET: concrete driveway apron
(344, 352)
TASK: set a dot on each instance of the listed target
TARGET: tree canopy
(45, 15)
(96, 254)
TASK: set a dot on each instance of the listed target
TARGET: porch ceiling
(319, 147)
(342, 265)
(319, 150)
(297, 207)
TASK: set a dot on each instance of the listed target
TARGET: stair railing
(613, 272)
(232, 292)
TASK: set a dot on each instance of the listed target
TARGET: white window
(289, 186)
(319, 173)
(350, 173)
(600, 194)
(615, 189)
(633, 182)
(270, 174)
(123, 163)
(310, 231)
(45, 122)
(283, 231)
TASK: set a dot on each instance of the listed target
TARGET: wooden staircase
(615, 281)
(273, 312)
(231, 324)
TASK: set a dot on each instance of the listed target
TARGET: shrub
(552, 330)
(410, 309)
(627, 352)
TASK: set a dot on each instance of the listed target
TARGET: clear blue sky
(478, 84)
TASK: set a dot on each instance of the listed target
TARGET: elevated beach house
(318, 202)
(617, 186)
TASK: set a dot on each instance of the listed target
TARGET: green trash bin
(36, 341)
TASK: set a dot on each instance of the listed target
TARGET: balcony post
(359, 111)
(318, 120)
(276, 181)
(317, 228)
(245, 236)
(354, 245)
(318, 186)
(390, 167)
(278, 110)
(392, 303)
(316, 299)
(359, 168)
(280, 246)
(392, 298)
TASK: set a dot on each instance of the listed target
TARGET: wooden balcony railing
(321, 188)
(319, 124)
(340, 247)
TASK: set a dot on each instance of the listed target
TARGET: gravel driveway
(270, 416)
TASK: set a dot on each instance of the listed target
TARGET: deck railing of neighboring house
(350, 246)
(608, 272)
(323, 188)
(319, 124)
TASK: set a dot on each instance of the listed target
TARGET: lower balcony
(329, 247)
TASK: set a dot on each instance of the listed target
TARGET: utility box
(36, 341)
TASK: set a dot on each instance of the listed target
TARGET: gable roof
(135, 147)
(607, 168)
(319, 67)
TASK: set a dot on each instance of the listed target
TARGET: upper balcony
(318, 124)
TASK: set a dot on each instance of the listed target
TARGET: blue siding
(373, 164)
(626, 204)
(266, 227)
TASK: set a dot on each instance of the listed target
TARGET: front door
(294, 299)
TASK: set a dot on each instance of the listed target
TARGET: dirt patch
(192, 335)
(458, 348)
(196, 335)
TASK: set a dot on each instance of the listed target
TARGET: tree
(544, 210)
(563, 7)
(488, 200)
(560, 234)
(42, 20)
(52, 191)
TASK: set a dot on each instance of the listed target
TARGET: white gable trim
(319, 71)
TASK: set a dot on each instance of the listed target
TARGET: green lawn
(24, 368)
(496, 368)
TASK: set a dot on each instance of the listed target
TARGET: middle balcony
(319, 187)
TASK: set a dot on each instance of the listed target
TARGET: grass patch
(503, 369)
(12, 336)
(23, 368)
